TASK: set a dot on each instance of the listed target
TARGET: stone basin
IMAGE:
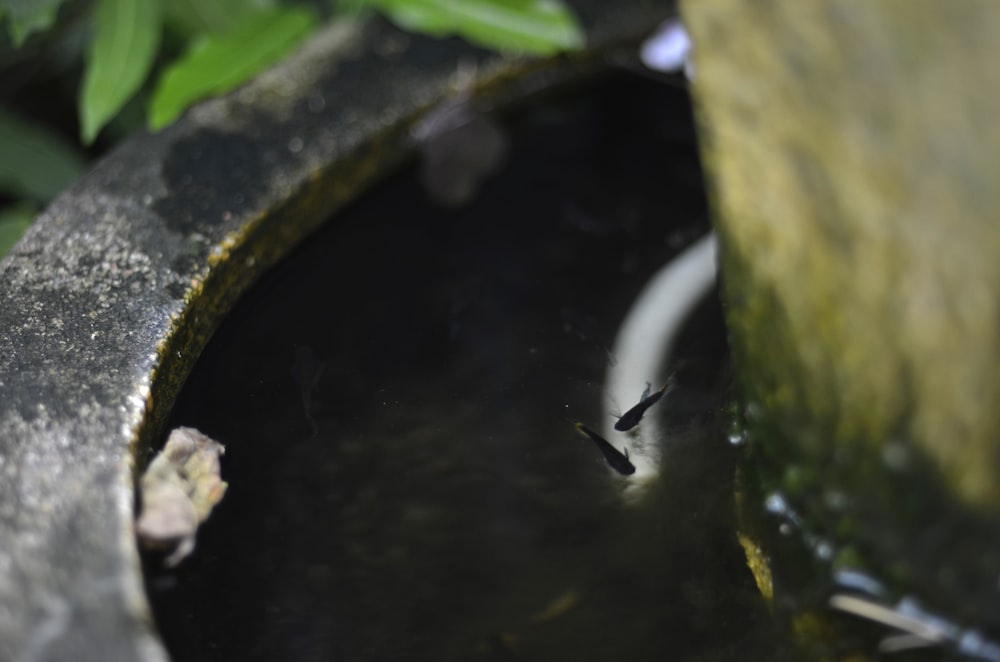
(110, 297)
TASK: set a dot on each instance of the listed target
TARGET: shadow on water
(397, 399)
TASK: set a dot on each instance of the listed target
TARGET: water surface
(397, 403)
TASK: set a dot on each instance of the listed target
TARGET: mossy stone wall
(853, 152)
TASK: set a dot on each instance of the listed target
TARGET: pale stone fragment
(179, 489)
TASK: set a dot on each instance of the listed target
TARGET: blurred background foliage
(77, 76)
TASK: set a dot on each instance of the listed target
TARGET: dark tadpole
(615, 459)
(631, 418)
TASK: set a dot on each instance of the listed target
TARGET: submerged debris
(307, 370)
(179, 490)
(916, 628)
(459, 144)
(502, 645)
(559, 606)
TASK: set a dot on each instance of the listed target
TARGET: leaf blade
(536, 27)
(28, 16)
(195, 17)
(37, 163)
(13, 222)
(127, 35)
(219, 63)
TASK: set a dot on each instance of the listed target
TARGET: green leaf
(127, 34)
(538, 27)
(13, 222)
(194, 17)
(27, 16)
(219, 63)
(350, 8)
(37, 163)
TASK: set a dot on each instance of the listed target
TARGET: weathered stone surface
(854, 148)
(111, 295)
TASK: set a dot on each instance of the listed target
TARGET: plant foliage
(538, 27)
(27, 16)
(37, 163)
(218, 63)
(13, 222)
(168, 54)
(126, 37)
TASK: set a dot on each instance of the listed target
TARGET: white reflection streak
(645, 339)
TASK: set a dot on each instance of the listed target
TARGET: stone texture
(109, 298)
(853, 149)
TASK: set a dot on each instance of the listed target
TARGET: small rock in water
(179, 490)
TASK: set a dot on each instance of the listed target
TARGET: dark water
(397, 399)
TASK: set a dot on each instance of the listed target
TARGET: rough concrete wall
(853, 150)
